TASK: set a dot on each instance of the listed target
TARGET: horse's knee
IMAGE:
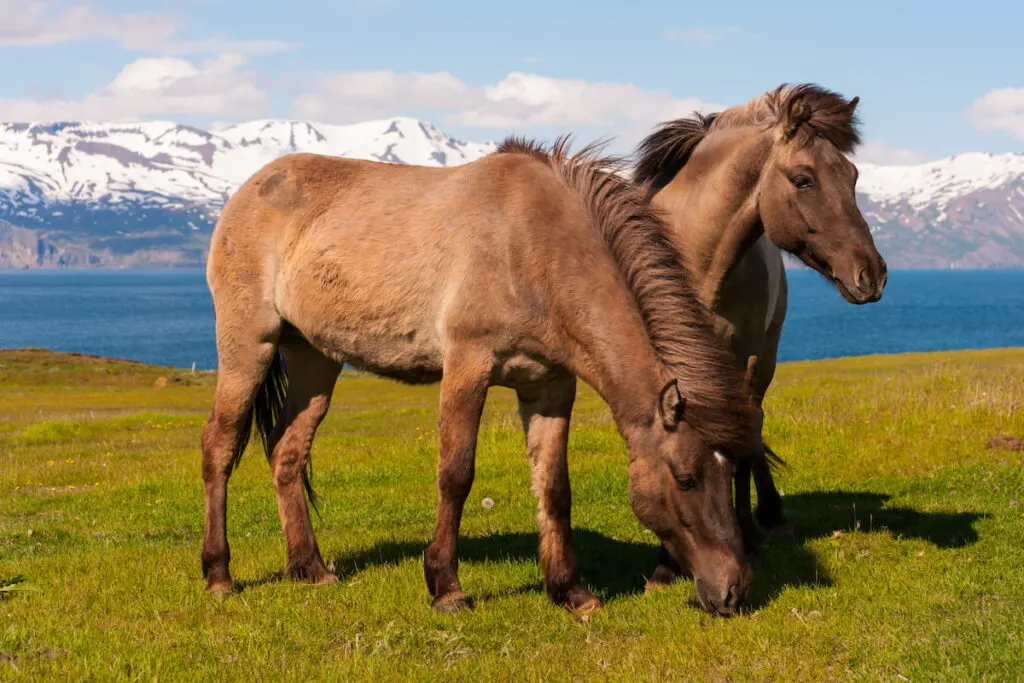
(455, 478)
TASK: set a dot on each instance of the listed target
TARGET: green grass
(909, 563)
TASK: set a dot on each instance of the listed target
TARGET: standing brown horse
(524, 269)
(738, 186)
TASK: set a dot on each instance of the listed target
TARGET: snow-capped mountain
(104, 180)
(964, 211)
(149, 192)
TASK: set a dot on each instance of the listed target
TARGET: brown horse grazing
(524, 269)
(738, 186)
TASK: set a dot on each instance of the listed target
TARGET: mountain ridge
(149, 192)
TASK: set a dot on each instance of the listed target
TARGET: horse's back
(380, 264)
(360, 199)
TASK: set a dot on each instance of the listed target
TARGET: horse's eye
(802, 182)
(686, 482)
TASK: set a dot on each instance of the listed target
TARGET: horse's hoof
(653, 586)
(664, 576)
(327, 579)
(782, 531)
(220, 589)
(584, 611)
(581, 602)
(753, 540)
(451, 603)
(312, 572)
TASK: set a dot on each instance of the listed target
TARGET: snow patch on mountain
(937, 183)
(162, 164)
(135, 192)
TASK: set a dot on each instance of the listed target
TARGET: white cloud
(878, 152)
(999, 110)
(46, 22)
(359, 95)
(520, 100)
(701, 36)
(154, 86)
(49, 22)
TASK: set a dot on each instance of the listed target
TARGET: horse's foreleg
(762, 370)
(311, 379)
(463, 393)
(744, 510)
(545, 413)
(769, 502)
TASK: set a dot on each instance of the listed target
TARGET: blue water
(165, 316)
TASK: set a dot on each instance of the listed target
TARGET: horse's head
(681, 490)
(806, 196)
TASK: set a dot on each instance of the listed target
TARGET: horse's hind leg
(545, 412)
(463, 393)
(311, 379)
(245, 347)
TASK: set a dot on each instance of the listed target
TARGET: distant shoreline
(45, 354)
(166, 315)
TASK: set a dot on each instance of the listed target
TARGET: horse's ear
(671, 405)
(798, 112)
(853, 104)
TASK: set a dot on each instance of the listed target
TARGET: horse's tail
(775, 463)
(266, 412)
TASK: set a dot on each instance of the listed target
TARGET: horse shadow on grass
(821, 514)
(614, 568)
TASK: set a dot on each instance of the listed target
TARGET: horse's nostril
(732, 597)
(859, 278)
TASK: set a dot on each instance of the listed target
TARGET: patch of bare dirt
(1006, 443)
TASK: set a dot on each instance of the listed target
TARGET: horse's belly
(389, 333)
(409, 358)
(395, 347)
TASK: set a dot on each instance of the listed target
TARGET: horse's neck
(712, 206)
(723, 251)
(607, 346)
(619, 361)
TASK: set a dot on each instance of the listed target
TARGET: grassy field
(909, 562)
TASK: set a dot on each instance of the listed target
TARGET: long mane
(678, 326)
(828, 115)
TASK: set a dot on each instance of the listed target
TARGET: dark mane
(679, 327)
(519, 145)
(668, 148)
(804, 112)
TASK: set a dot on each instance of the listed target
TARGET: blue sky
(934, 79)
